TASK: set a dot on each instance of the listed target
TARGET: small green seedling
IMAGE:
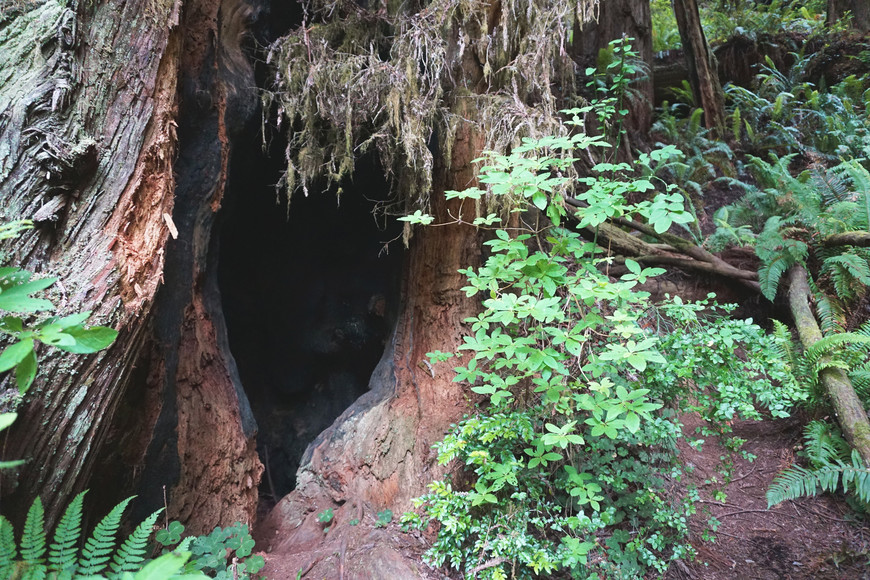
(325, 516)
(384, 518)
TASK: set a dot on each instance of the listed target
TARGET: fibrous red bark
(88, 120)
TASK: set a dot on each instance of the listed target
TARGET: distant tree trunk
(860, 10)
(702, 65)
(623, 19)
(87, 148)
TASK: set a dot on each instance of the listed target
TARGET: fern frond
(830, 345)
(849, 272)
(858, 477)
(8, 549)
(860, 178)
(62, 552)
(131, 554)
(770, 274)
(800, 482)
(860, 378)
(783, 342)
(98, 549)
(828, 452)
(33, 537)
(830, 310)
(831, 186)
(823, 445)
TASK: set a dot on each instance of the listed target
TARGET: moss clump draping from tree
(383, 78)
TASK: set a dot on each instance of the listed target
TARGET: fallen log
(847, 406)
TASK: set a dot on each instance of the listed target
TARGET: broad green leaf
(17, 298)
(15, 353)
(72, 319)
(6, 419)
(89, 340)
(11, 324)
(25, 372)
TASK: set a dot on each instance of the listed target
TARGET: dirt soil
(819, 537)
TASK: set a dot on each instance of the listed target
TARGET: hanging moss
(385, 78)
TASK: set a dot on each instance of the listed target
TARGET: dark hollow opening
(309, 300)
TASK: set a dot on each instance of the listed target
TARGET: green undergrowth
(570, 464)
(224, 554)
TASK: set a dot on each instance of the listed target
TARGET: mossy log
(847, 406)
(857, 239)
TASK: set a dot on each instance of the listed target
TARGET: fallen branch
(619, 241)
(847, 406)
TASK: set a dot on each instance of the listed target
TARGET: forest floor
(819, 537)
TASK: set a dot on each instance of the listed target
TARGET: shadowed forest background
(449, 289)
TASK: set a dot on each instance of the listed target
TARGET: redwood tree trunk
(378, 454)
(702, 65)
(860, 10)
(87, 147)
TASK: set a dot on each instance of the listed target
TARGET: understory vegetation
(573, 464)
(569, 462)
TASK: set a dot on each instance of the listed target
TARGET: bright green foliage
(700, 342)
(224, 554)
(33, 540)
(384, 518)
(325, 516)
(820, 203)
(833, 463)
(64, 559)
(169, 566)
(130, 556)
(571, 459)
(786, 113)
(8, 549)
(723, 19)
(66, 333)
(99, 547)
(62, 551)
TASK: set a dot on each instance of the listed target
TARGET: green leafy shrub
(700, 342)
(571, 465)
(224, 554)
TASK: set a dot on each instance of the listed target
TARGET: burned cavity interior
(310, 297)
